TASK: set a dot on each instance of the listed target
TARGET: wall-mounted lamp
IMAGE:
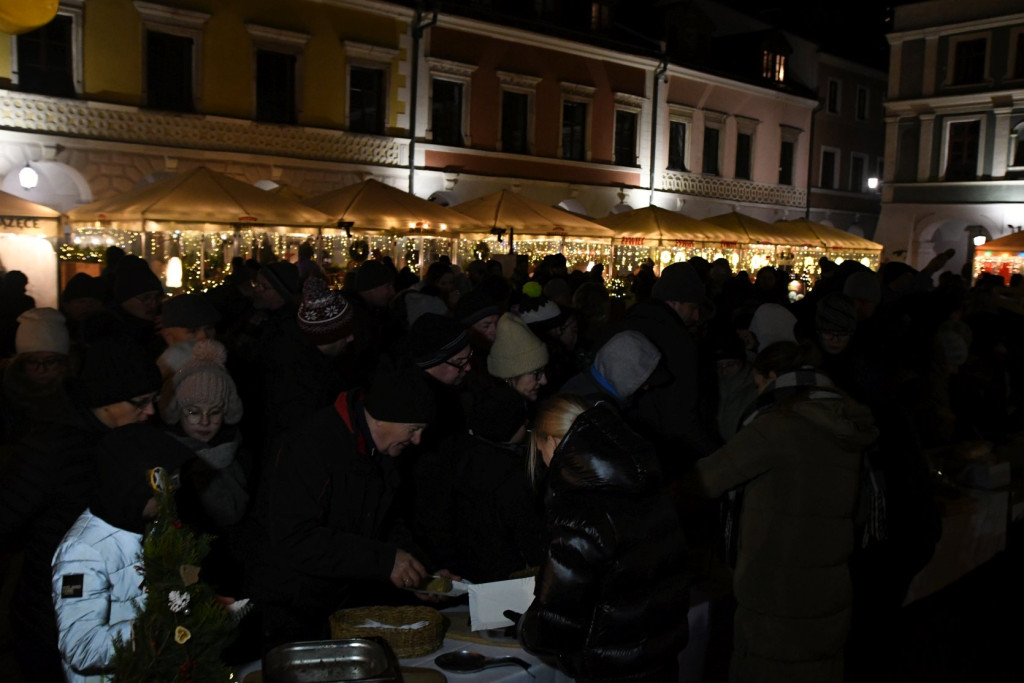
(872, 183)
(27, 177)
(173, 275)
(979, 240)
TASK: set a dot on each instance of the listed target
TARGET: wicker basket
(347, 623)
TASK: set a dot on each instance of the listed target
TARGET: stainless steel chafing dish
(368, 660)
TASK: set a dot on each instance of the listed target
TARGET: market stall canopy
(506, 209)
(373, 205)
(21, 216)
(832, 238)
(656, 223)
(201, 196)
(1011, 243)
(763, 232)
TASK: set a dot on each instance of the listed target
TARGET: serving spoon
(467, 661)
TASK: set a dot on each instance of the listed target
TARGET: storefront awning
(20, 216)
(657, 224)
(1011, 243)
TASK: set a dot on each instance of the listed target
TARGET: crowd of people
(343, 445)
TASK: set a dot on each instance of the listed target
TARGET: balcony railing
(714, 187)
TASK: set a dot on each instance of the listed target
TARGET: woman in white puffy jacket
(97, 569)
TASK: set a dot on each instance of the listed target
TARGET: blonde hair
(554, 418)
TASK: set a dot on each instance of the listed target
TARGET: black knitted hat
(399, 393)
(434, 338)
(117, 369)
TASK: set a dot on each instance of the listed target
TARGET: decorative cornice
(577, 89)
(514, 80)
(446, 67)
(162, 14)
(119, 123)
(714, 187)
(955, 104)
(374, 53)
(625, 99)
(276, 35)
(681, 111)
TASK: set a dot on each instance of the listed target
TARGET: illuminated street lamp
(872, 183)
(28, 178)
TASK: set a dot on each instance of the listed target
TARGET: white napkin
(488, 601)
(370, 623)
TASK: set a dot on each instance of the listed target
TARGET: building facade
(954, 168)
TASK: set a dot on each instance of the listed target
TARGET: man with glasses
(51, 477)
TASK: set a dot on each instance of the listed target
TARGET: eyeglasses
(143, 402)
(461, 364)
(537, 374)
(42, 364)
(834, 336)
(195, 415)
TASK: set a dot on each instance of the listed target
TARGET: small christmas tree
(180, 632)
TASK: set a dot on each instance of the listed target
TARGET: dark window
(710, 150)
(366, 100)
(906, 155)
(515, 122)
(1018, 68)
(862, 104)
(169, 72)
(857, 174)
(744, 143)
(275, 87)
(786, 163)
(833, 97)
(574, 130)
(969, 61)
(962, 151)
(446, 112)
(45, 60)
(677, 146)
(828, 169)
(625, 138)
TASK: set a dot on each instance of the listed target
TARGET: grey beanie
(627, 360)
(835, 313)
(772, 323)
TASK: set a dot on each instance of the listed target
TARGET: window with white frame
(1016, 156)
(574, 142)
(858, 172)
(745, 128)
(369, 70)
(48, 60)
(277, 65)
(828, 172)
(172, 55)
(516, 123)
(961, 149)
(680, 123)
(832, 102)
(968, 59)
(790, 136)
(714, 123)
(449, 102)
(861, 111)
(1016, 67)
(627, 128)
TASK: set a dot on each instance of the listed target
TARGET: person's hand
(940, 260)
(408, 571)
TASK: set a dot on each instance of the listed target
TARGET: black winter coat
(612, 595)
(476, 513)
(670, 412)
(326, 510)
(45, 486)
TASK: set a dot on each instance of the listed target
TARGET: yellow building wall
(112, 52)
(112, 60)
(5, 59)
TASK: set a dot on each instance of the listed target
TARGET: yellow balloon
(22, 16)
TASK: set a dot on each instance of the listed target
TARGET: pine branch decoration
(179, 633)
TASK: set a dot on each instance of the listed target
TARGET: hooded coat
(800, 465)
(97, 568)
(612, 595)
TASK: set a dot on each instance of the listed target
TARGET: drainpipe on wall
(810, 161)
(659, 73)
(418, 28)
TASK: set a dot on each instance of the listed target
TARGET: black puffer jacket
(612, 596)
